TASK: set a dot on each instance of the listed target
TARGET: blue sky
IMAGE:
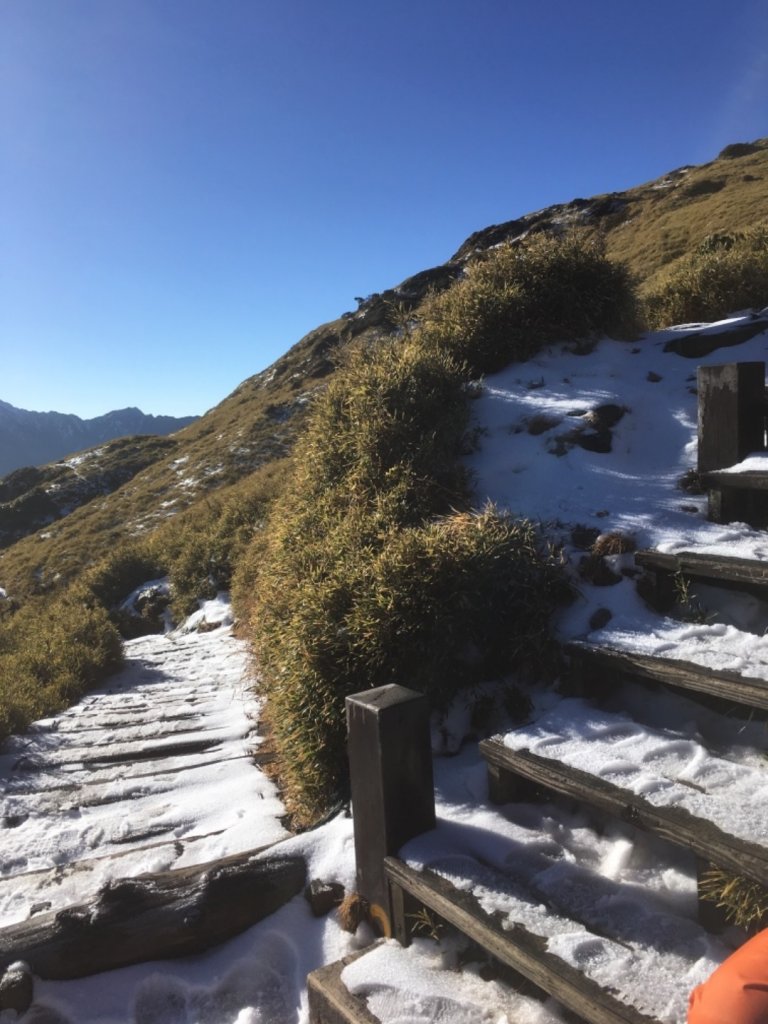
(189, 186)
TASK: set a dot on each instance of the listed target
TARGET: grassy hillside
(648, 228)
(35, 497)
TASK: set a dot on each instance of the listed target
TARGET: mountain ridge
(29, 438)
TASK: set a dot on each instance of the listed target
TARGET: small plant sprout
(425, 923)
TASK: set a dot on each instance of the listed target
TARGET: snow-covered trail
(153, 771)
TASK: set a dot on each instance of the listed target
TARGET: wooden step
(330, 1001)
(659, 584)
(508, 767)
(737, 497)
(747, 573)
(514, 946)
(750, 480)
(593, 664)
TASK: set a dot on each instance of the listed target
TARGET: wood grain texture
(718, 568)
(672, 823)
(685, 675)
(154, 916)
(514, 946)
(331, 1002)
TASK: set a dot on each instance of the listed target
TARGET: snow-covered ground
(539, 864)
(153, 771)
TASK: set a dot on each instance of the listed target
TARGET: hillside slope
(648, 227)
(34, 497)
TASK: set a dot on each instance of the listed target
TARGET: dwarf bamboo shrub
(519, 297)
(113, 578)
(52, 651)
(366, 575)
(725, 273)
(744, 902)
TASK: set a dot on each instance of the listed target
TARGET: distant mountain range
(36, 438)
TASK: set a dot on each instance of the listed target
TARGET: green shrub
(456, 602)
(400, 409)
(725, 273)
(115, 577)
(521, 296)
(51, 652)
(359, 584)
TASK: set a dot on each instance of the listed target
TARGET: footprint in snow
(258, 990)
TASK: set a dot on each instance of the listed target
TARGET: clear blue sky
(189, 186)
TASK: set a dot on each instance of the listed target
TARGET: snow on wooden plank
(588, 659)
(675, 824)
(514, 944)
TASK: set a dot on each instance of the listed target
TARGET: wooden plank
(516, 947)
(747, 572)
(672, 823)
(684, 675)
(330, 1001)
(753, 480)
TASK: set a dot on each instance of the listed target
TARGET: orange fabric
(737, 992)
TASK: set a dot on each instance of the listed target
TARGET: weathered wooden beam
(741, 572)
(731, 413)
(753, 480)
(330, 1001)
(393, 800)
(599, 663)
(674, 824)
(154, 916)
(659, 584)
(515, 946)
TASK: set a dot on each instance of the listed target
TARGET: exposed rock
(593, 433)
(594, 569)
(614, 543)
(604, 417)
(541, 423)
(17, 988)
(323, 896)
(702, 343)
(600, 441)
(583, 537)
(600, 618)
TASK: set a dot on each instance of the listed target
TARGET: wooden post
(731, 413)
(393, 797)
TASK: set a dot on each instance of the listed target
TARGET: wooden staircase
(521, 776)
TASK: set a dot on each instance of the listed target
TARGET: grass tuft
(727, 272)
(744, 902)
(518, 297)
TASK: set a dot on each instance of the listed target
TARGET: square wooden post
(731, 413)
(393, 797)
